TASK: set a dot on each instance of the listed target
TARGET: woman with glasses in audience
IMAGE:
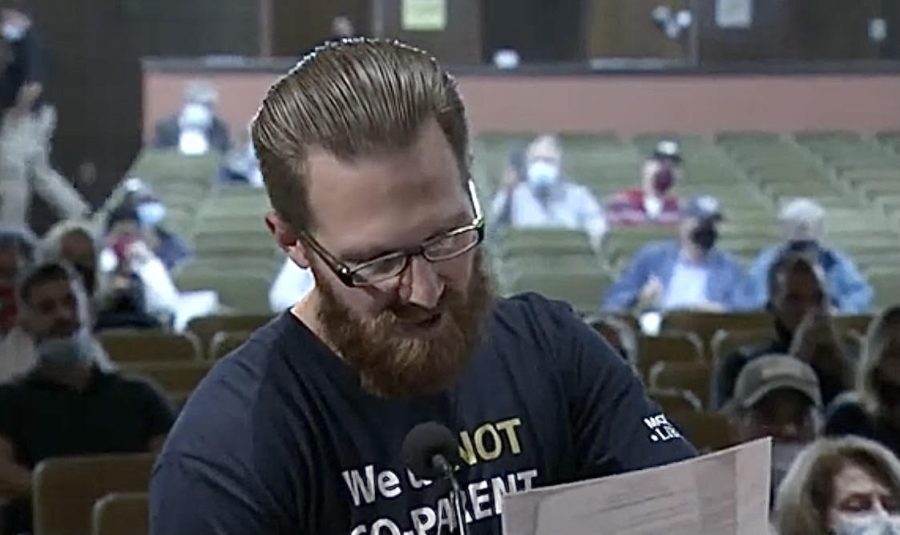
(842, 486)
(873, 410)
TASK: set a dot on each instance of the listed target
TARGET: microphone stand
(455, 494)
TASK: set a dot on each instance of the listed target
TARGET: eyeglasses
(451, 244)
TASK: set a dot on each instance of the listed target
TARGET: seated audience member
(654, 202)
(17, 252)
(804, 329)
(846, 486)
(291, 285)
(151, 213)
(19, 350)
(803, 221)
(195, 129)
(66, 404)
(541, 197)
(777, 396)
(688, 273)
(74, 242)
(127, 254)
(241, 164)
(873, 410)
(116, 302)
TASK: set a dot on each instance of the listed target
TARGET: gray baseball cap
(766, 374)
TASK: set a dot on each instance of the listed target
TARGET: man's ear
(287, 239)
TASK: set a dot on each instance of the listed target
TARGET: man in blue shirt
(688, 273)
(804, 226)
(364, 150)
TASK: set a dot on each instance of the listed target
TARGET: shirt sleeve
(592, 216)
(189, 495)
(854, 294)
(624, 293)
(157, 410)
(616, 428)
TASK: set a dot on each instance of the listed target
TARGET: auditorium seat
(886, 284)
(127, 346)
(706, 324)
(727, 341)
(581, 289)
(708, 432)
(238, 291)
(848, 323)
(224, 342)
(65, 489)
(122, 513)
(173, 377)
(669, 347)
(694, 377)
(675, 402)
(205, 328)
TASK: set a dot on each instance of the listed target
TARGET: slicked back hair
(352, 98)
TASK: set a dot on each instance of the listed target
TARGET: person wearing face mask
(845, 486)
(195, 129)
(803, 327)
(653, 203)
(688, 273)
(27, 122)
(168, 247)
(873, 409)
(66, 403)
(19, 349)
(776, 396)
(535, 194)
(803, 223)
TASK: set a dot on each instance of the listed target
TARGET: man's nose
(420, 284)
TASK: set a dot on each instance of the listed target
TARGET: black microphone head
(423, 443)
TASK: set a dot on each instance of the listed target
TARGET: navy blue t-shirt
(281, 439)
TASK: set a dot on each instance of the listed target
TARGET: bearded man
(364, 149)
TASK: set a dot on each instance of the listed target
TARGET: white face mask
(151, 214)
(783, 455)
(868, 524)
(195, 116)
(12, 32)
(542, 174)
(75, 349)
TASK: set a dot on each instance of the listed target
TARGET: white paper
(734, 13)
(723, 493)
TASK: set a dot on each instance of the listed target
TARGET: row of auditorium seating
(681, 357)
(856, 178)
(106, 494)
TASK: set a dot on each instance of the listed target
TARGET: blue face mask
(72, 350)
(869, 524)
(151, 214)
(542, 174)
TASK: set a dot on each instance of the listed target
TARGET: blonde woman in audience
(840, 486)
(873, 410)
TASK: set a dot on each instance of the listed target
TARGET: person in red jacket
(654, 202)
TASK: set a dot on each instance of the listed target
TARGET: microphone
(430, 450)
